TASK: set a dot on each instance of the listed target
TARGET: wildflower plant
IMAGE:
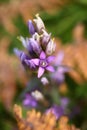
(40, 58)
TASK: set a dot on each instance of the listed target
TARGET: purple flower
(56, 110)
(30, 101)
(37, 45)
(44, 63)
(59, 76)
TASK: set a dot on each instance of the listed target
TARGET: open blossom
(58, 75)
(38, 47)
(44, 63)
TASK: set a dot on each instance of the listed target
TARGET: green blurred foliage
(22, 30)
(4, 1)
(62, 23)
(3, 31)
(7, 120)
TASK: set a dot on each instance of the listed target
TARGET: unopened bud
(33, 47)
(37, 95)
(44, 81)
(50, 47)
(31, 27)
(39, 23)
(45, 38)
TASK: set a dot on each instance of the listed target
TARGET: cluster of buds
(40, 48)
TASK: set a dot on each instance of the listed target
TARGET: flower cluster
(40, 48)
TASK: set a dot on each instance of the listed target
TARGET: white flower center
(43, 63)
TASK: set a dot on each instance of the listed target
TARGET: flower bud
(37, 95)
(45, 38)
(36, 37)
(22, 40)
(39, 23)
(31, 27)
(44, 81)
(50, 47)
(33, 47)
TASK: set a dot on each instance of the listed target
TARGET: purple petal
(50, 58)
(50, 68)
(31, 27)
(29, 101)
(40, 72)
(36, 61)
(30, 64)
(23, 56)
(42, 55)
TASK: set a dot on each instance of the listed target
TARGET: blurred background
(67, 20)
